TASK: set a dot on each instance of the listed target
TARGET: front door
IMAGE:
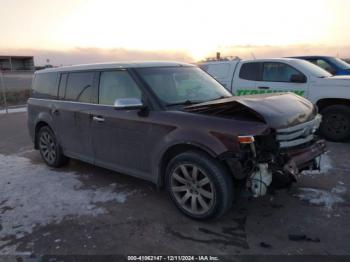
(278, 77)
(268, 77)
(119, 136)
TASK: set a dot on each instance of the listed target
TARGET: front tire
(199, 185)
(49, 148)
(335, 125)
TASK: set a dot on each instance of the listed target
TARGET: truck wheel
(198, 185)
(49, 148)
(335, 125)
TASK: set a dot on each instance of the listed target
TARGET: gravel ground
(81, 209)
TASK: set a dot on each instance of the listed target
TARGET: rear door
(246, 79)
(72, 114)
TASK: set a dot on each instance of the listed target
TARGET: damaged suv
(174, 125)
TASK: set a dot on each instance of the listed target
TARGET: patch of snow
(325, 166)
(33, 194)
(326, 163)
(339, 189)
(14, 110)
(106, 196)
(322, 197)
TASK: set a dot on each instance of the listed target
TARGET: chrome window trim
(72, 102)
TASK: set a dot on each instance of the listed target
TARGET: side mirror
(128, 103)
(298, 78)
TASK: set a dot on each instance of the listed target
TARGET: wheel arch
(174, 150)
(323, 103)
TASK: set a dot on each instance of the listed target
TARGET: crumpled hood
(278, 110)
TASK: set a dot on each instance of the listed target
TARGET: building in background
(17, 71)
(17, 63)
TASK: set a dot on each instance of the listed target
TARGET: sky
(76, 31)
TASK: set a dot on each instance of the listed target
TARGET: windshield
(182, 85)
(314, 69)
(340, 63)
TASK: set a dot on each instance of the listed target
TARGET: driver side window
(278, 72)
(115, 85)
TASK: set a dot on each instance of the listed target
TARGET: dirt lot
(82, 209)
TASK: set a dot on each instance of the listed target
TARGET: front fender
(202, 140)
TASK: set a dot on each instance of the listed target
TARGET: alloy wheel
(47, 147)
(192, 189)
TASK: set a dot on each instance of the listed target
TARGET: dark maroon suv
(174, 125)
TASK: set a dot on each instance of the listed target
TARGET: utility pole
(3, 90)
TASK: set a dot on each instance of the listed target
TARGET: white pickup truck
(330, 93)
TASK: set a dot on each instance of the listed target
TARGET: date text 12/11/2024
(173, 258)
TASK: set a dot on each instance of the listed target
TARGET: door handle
(263, 87)
(98, 119)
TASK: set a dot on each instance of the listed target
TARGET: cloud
(93, 55)
(249, 51)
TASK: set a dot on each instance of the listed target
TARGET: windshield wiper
(221, 97)
(187, 102)
(191, 102)
(218, 98)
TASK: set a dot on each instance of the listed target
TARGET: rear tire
(199, 186)
(49, 148)
(335, 125)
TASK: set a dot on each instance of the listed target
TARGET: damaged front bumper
(278, 158)
(304, 158)
(280, 170)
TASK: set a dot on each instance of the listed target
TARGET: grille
(299, 134)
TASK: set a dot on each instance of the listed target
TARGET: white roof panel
(115, 65)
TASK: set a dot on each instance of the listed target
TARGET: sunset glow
(195, 27)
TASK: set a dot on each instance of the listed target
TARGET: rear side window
(45, 85)
(115, 85)
(79, 86)
(251, 71)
